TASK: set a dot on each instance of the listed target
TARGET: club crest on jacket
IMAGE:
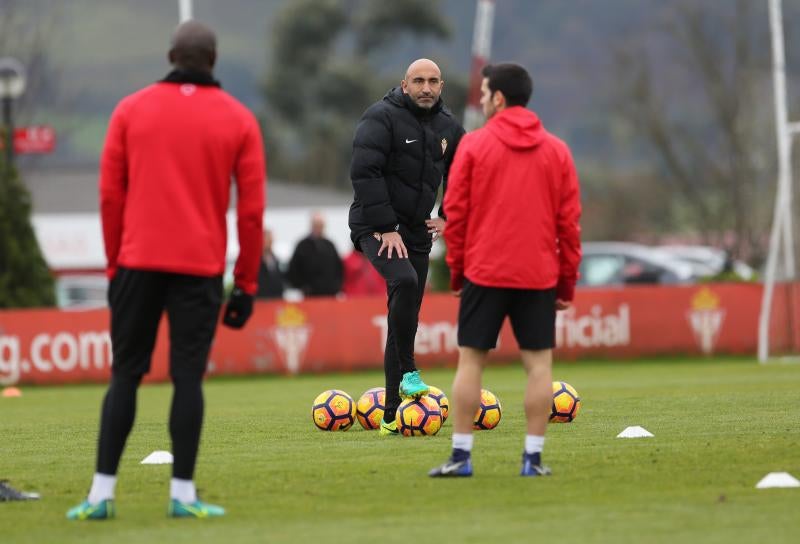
(444, 145)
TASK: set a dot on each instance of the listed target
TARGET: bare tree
(26, 34)
(707, 122)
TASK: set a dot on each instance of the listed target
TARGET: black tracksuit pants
(405, 281)
(137, 299)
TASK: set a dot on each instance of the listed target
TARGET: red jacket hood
(517, 127)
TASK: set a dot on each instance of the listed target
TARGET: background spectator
(270, 276)
(315, 267)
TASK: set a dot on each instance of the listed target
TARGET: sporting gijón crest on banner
(291, 334)
(706, 318)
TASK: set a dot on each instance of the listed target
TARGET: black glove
(238, 310)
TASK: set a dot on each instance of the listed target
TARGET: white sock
(102, 488)
(182, 490)
(462, 441)
(533, 443)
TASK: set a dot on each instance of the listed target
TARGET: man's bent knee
(405, 283)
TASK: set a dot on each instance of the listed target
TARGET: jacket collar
(421, 112)
(397, 97)
(190, 76)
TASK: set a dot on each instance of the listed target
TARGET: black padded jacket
(401, 155)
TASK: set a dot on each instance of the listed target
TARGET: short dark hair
(193, 46)
(512, 80)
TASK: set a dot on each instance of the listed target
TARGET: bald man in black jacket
(402, 151)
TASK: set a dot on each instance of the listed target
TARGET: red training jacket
(513, 207)
(165, 176)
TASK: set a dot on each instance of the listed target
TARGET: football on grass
(566, 403)
(438, 395)
(489, 412)
(333, 410)
(419, 417)
(370, 407)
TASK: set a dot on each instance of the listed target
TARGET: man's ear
(171, 56)
(498, 99)
(404, 86)
(212, 59)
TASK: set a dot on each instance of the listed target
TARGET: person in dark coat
(270, 276)
(402, 151)
(316, 268)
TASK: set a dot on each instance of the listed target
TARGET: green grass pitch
(720, 425)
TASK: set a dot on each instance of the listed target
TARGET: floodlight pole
(12, 86)
(8, 125)
(782, 218)
(481, 49)
(185, 10)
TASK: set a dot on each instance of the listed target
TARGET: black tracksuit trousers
(405, 281)
(137, 299)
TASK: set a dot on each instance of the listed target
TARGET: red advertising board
(33, 139)
(321, 335)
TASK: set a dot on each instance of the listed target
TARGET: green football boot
(412, 386)
(86, 510)
(388, 429)
(196, 509)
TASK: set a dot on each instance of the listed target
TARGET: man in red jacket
(165, 175)
(513, 247)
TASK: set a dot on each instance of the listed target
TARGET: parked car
(624, 263)
(707, 261)
(81, 291)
